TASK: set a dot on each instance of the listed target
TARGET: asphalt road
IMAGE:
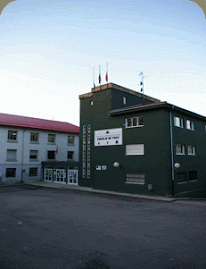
(52, 228)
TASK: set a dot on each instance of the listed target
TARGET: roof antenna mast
(142, 82)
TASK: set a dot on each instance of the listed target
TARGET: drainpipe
(172, 152)
(22, 157)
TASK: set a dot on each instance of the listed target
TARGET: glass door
(60, 176)
(48, 175)
(73, 177)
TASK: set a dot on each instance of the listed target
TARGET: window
(179, 122)
(124, 100)
(135, 178)
(10, 172)
(180, 149)
(91, 103)
(181, 177)
(70, 155)
(134, 122)
(34, 137)
(193, 175)
(33, 155)
(51, 155)
(12, 135)
(33, 171)
(135, 149)
(191, 150)
(51, 138)
(11, 155)
(190, 125)
(70, 140)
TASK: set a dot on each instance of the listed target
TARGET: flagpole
(100, 76)
(107, 75)
(93, 78)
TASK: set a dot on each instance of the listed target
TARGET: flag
(57, 149)
(106, 77)
(99, 79)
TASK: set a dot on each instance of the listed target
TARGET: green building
(133, 143)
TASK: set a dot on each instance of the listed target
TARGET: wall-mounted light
(116, 164)
(177, 165)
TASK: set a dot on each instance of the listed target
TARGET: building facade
(28, 146)
(133, 143)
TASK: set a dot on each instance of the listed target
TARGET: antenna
(93, 78)
(142, 82)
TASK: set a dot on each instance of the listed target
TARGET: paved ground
(64, 228)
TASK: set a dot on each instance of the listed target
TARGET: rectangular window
(134, 122)
(193, 175)
(51, 138)
(70, 155)
(134, 178)
(33, 171)
(180, 149)
(10, 172)
(124, 100)
(181, 177)
(70, 140)
(51, 155)
(135, 149)
(12, 135)
(33, 155)
(34, 137)
(191, 150)
(190, 125)
(11, 155)
(179, 122)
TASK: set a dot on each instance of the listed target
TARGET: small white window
(34, 137)
(51, 138)
(180, 149)
(12, 135)
(191, 150)
(124, 100)
(137, 149)
(179, 122)
(134, 122)
(91, 103)
(33, 155)
(190, 125)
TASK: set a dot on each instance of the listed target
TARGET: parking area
(64, 228)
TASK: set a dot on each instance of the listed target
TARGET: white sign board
(108, 137)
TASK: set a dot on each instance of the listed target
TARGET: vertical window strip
(88, 150)
(84, 153)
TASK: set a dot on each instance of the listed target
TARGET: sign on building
(108, 137)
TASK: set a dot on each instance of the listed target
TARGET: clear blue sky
(48, 50)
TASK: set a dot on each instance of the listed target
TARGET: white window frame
(12, 140)
(190, 125)
(182, 149)
(70, 144)
(137, 149)
(132, 122)
(33, 159)
(32, 135)
(193, 150)
(178, 122)
(54, 139)
(124, 100)
(14, 153)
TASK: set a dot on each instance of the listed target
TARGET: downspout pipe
(22, 157)
(172, 151)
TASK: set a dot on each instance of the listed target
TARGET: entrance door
(60, 176)
(48, 175)
(73, 177)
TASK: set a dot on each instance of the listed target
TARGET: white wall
(42, 146)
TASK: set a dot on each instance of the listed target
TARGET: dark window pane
(10, 172)
(51, 155)
(33, 171)
(192, 175)
(181, 177)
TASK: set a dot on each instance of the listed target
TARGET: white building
(27, 142)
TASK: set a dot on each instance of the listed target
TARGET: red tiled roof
(35, 123)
